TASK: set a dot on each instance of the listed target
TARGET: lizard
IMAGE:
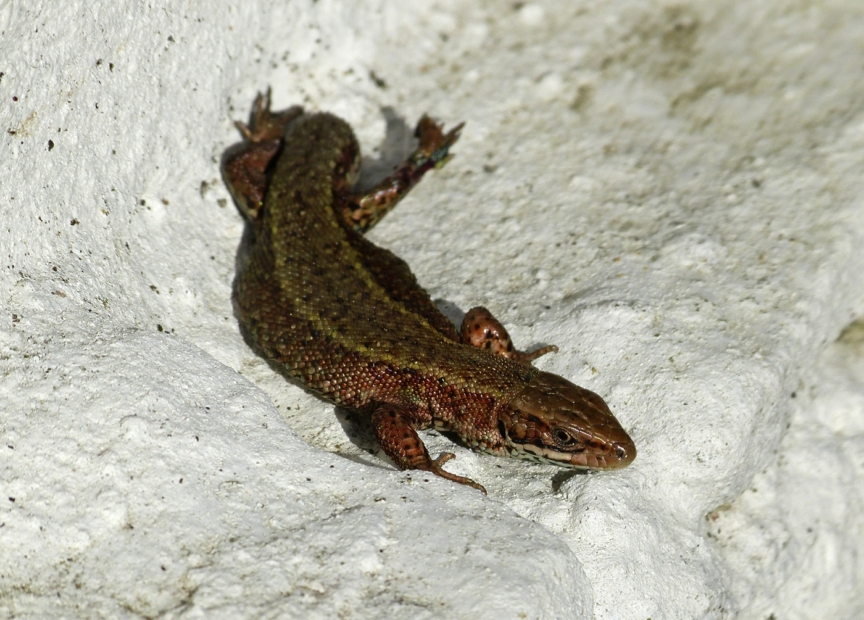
(348, 320)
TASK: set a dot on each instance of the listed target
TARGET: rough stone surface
(670, 192)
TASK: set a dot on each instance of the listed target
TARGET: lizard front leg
(398, 438)
(481, 329)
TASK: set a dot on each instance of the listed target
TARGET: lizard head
(554, 421)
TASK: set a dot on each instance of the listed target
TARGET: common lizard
(348, 319)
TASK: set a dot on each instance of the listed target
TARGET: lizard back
(341, 314)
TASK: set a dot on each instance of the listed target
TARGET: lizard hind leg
(245, 164)
(481, 329)
(361, 211)
(403, 445)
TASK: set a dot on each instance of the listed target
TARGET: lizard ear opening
(502, 428)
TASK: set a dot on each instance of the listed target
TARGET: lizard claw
(434, 143)
(435, 468)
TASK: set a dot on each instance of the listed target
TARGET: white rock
(695, 317)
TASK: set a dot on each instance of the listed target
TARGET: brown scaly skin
(348, 319)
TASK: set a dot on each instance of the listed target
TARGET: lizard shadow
(358, 429)
(399, 141)
(564, 475)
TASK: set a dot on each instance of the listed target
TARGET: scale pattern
(349, 321)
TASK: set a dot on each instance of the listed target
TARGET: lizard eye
(562, 437)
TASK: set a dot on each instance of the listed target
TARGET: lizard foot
(396, 435)
(481, 329)
(439, 471)
(267, 125)
(362, 210)
(244, 165)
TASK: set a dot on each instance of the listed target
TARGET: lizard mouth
(601, 455)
